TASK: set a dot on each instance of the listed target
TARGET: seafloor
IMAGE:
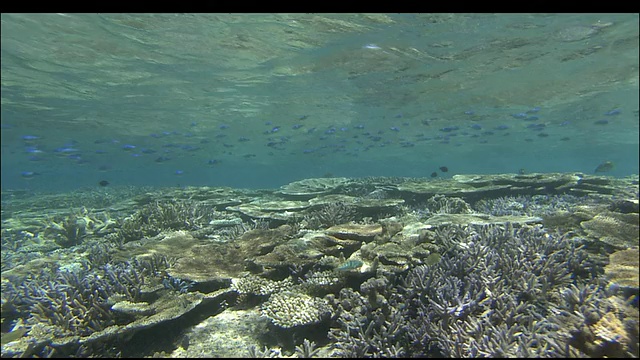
(535, 265)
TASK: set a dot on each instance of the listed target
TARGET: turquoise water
(262, 100)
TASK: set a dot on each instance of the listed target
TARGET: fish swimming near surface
(605, 167)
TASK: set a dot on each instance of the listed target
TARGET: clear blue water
(262, 100)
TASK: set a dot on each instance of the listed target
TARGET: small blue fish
(536, 126)
(449, 128)
(32, 150)
(28, 174)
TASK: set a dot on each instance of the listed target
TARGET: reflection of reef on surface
(478, 265)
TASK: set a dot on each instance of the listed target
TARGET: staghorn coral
(491, 294)
(67, 232)
(494, 285)
(307, 349)
(590, 322)
(153, 218)
(532, 205)
(329, 215)
(365, 330)
(76, 299)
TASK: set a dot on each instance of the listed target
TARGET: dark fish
(522, 171)
(433, 259)
(444, 168)
(434, 174)
(103, 183)
(605, 167)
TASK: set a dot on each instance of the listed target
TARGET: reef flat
(518, 265)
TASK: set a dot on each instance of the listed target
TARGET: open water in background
(262, 100)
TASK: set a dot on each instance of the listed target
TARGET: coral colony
(527, 265)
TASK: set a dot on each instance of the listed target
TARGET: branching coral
(152, 218)
(78, 302)
(491, 294)
(67, 232)
(329, 215)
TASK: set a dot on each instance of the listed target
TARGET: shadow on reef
(501, 265)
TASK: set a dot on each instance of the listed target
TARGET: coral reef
(478, 265)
